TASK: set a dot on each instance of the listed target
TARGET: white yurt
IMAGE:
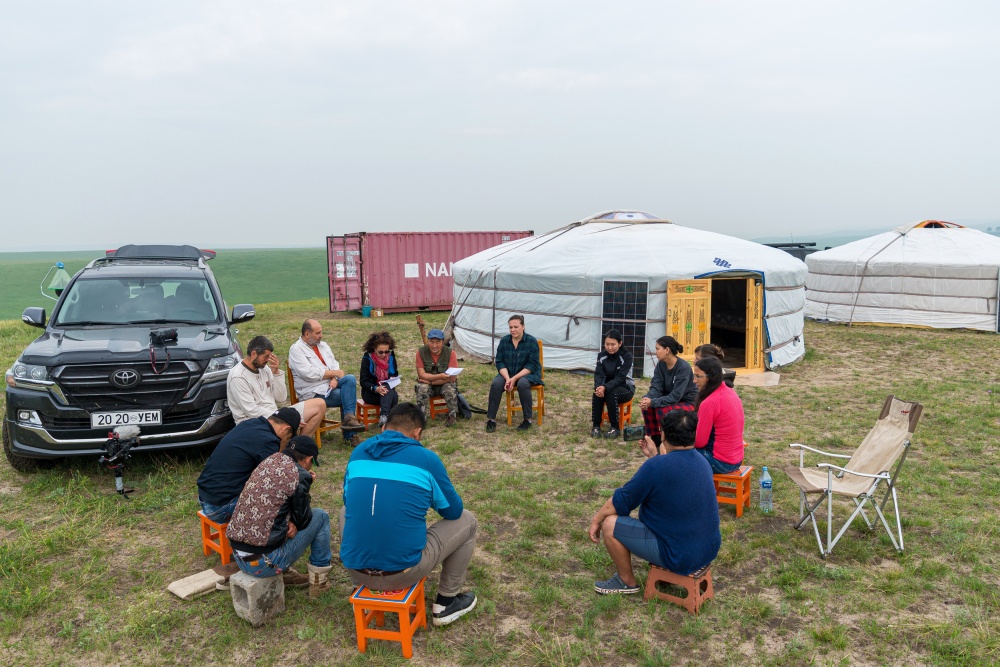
(642, 275)
(929, 274)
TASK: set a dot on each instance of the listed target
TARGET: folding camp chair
(869, 476)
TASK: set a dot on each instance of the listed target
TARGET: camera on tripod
(117, 450)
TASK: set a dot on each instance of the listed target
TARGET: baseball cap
(435, 333)
(290, 416)
(305, 445)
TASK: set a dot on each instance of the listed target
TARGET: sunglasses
(381, 354)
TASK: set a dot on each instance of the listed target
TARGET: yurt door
(689, 313)
(724, 311)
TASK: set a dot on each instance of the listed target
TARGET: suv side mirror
(242, 312)
(34, 317)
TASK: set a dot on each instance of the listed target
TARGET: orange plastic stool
(369, 604)
(733, 488)
(697, 585)
(213, 538)
(367, 414)
(438, 406)
(624, 415)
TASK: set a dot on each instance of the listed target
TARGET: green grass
(292, 274)
(83, 574)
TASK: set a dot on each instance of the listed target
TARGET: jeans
(316, 536)
(450, 543)
(717, 465)
(496, 393)
(219, 513)
(345, 396)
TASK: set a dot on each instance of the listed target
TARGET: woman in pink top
(720, 418)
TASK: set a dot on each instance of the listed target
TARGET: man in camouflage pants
(432, 380)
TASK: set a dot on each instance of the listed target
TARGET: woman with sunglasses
(719, 437)
(378, 367)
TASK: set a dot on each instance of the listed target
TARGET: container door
(755, 325)
(689, 313)
(344, 253)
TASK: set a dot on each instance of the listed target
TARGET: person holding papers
(437, 375)
(380, 374)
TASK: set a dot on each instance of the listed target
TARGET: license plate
(135, 417)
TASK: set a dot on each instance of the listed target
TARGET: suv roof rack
(182, 252)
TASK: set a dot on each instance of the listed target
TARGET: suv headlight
(28, 376)
(219, 367)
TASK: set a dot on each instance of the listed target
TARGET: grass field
(245, 276)
(83, 574)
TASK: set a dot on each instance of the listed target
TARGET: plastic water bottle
(766, 503)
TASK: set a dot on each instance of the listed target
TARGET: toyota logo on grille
(124, 378)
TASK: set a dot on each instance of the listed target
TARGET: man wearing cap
(432, 380)
(256, 386)
(390, 482)
(233, 460)
(317, 374)
(273, 522)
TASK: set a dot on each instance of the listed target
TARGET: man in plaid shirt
(518, 368)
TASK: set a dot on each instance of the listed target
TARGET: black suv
(138, 337)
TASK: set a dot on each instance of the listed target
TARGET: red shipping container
(401, 271)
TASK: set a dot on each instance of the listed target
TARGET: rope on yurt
(864, 269)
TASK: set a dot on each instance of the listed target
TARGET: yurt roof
(631, 245)
(930, 243)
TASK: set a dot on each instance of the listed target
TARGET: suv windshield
(137, 300)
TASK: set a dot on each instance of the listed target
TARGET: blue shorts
(638, 539)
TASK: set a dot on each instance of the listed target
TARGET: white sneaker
(459, 607)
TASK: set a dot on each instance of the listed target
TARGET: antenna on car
(59, 281)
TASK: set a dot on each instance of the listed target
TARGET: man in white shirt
(316, 373)
(256, 386)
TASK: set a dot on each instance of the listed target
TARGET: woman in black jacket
(613, 383)
(378, 367)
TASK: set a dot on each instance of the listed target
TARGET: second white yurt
(642, 275)
(929, 274)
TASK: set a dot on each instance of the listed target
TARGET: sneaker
(382, 420)
(451, 421)
(491, 426)
(613, 433)
(459, 607)
(293, 579)
(615, 585)
(351, 423)
(524, 426)
(595, 433)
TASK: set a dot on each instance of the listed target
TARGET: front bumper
(65, 430)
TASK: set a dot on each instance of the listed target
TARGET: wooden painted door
(689, 313)
(755, 325)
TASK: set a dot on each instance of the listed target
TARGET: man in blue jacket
(389, 484)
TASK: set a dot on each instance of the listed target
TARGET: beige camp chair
(869, 475)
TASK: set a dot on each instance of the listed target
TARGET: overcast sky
(252, 122)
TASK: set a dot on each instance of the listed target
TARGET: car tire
(17, 462)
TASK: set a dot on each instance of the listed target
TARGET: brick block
(257, 600)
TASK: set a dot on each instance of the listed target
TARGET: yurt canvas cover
(621, 269)
(932, 274)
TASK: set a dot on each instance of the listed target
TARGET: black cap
(290, 416)
(305, 445)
